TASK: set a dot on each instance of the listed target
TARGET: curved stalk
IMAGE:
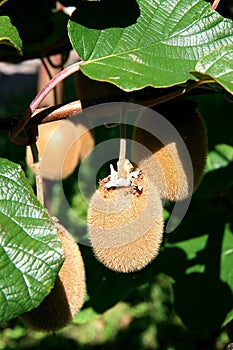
(14, 133)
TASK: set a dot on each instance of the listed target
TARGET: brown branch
(64, 111)
(215, 5)
(51, 114)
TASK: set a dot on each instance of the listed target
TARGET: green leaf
(160, 49)
(9, 34)
(218, 66)
(220, 157)
(203, 290)
(31, 253)
(203, 298)
(227, 263)
(2, 2)
(85, 315)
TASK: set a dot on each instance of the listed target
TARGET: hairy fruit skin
(175, 171)
(125, 228)
(67, 296)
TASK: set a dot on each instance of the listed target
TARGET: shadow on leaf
(107, 14)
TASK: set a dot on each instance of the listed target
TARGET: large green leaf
(159, 49)
(9, 34)
(218, 66)
(31, 253)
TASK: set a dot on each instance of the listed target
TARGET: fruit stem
(214, 5)
(121, 171)
(50, 77)
(35, 153)
(39, 183)
(38, 178)
(59, 77)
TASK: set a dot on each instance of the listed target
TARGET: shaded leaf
(9, 34)
(2, 2)
(227, 263)
(220, 157)
(31, 253)
(205, 309)
(204, 299)
(203, 293)
(42, 32)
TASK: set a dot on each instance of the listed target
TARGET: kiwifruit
(59, 149)
(125, 225)
(86, 140)
(67, 296)
(167, 165)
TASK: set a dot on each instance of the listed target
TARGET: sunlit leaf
(160, 49)
(30, 250)
(218, 65)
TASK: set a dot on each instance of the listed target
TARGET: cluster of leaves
(159, 44)
(162, 44)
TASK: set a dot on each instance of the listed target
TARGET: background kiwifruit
(125, 227)
(167, 165)
(85, 139)
(58, 149)
(61, 145)
(67, 296)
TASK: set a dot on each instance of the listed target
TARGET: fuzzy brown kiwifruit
(58, 148)
(174, 174)
(67, 296)
(125, 225)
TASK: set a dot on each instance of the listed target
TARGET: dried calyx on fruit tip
(176, 168)
(125, 221)
(67, 296)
